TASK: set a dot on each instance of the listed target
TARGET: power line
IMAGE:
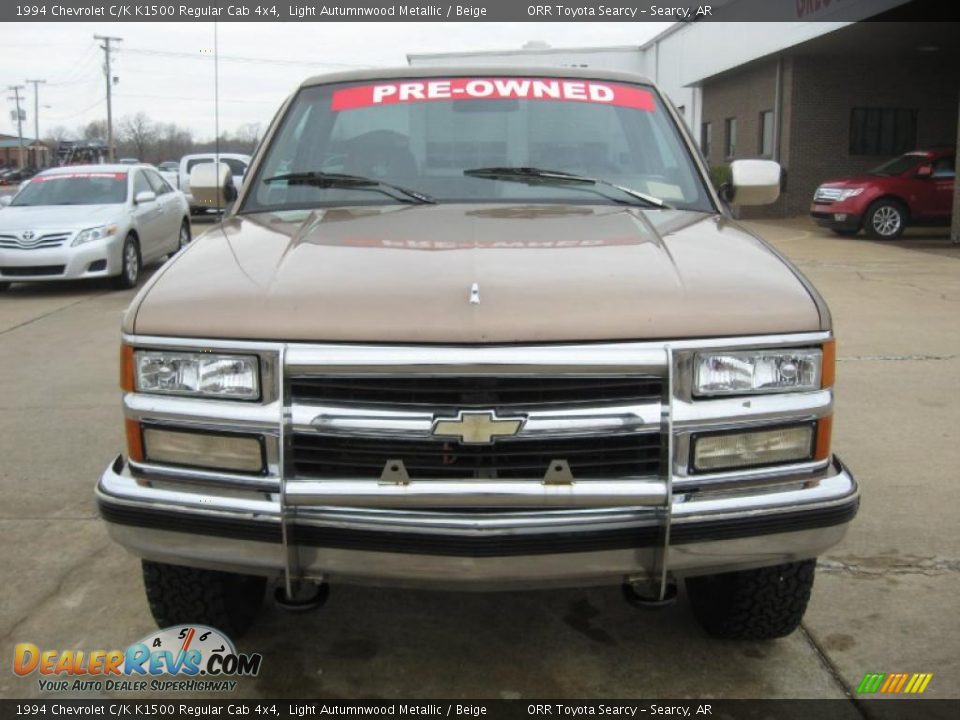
(196, 99)
(240, 59)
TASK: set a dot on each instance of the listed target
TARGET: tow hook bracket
(306, 596)
(634, 594)
(558, 473)
(394, 473)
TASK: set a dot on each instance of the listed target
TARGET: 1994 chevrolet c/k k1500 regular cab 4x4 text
(480, 329)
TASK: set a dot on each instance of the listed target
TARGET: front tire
(182, 596)
(760, 604)
(184, 239)
(129, 264)
(885, 220)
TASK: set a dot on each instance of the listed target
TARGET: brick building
(35, 153)
(838, 104)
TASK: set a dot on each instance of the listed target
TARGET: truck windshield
(92, 188)
(422, 134)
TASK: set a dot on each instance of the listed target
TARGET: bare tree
(94, 130)
(138, 133)
(173, 142)
(57, 135)
(247, 136)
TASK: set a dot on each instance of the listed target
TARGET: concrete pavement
(884, 600)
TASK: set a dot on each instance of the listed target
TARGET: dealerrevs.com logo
(186, 658)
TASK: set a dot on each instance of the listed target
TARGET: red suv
(913, 189)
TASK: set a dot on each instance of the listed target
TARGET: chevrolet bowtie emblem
(477, 428)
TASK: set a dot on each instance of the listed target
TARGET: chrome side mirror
(211, 185)
(754, 182)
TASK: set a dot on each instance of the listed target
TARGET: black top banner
(475, 11)
(538, 709)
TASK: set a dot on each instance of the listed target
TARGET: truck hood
(544, 273)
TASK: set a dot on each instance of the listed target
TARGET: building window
(731, 128)
(882, 131)
(706, 139)
(766, 133)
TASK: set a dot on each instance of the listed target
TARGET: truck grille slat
(600, 457)
(461, 392)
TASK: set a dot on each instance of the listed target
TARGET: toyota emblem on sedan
(477, 428)
(28, 235)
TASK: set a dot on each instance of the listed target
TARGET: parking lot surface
(885, 600)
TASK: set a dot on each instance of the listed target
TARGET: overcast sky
(166, 69)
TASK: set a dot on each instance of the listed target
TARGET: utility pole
(16, 96)
(36, 114)
(106, 69)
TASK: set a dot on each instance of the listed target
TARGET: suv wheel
(759, 604)
(129, 265)
(886, 220)
(181, 595)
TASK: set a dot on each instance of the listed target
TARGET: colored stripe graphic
(894, 683)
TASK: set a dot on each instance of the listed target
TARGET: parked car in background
(170, 171)
(17, 175)
(237, 163)
(913, 189)
(90, 221)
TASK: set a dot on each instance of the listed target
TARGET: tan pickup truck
(479, 328)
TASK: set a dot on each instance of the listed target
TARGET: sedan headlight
(96, 233)
(228, 377)
(750, 372)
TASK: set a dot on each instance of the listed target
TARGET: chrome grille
(488, 392)
(601, 457)
(49, 240)
(603, 426)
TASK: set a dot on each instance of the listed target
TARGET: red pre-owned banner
(426, 90)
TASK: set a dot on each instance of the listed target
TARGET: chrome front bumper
(709, 532)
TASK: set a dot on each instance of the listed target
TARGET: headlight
(230, 377)
(848, 193)
(91, 234)
(749, 372)
(727, 451)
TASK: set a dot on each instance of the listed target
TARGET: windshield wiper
(340, 180)
(559, 178)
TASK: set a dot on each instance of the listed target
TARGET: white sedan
(90, 221)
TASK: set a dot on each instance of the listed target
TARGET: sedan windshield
(442, 138)
(74, 189)
(899, 165)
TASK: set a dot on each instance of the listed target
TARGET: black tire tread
(760, 604)
(182, 595)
